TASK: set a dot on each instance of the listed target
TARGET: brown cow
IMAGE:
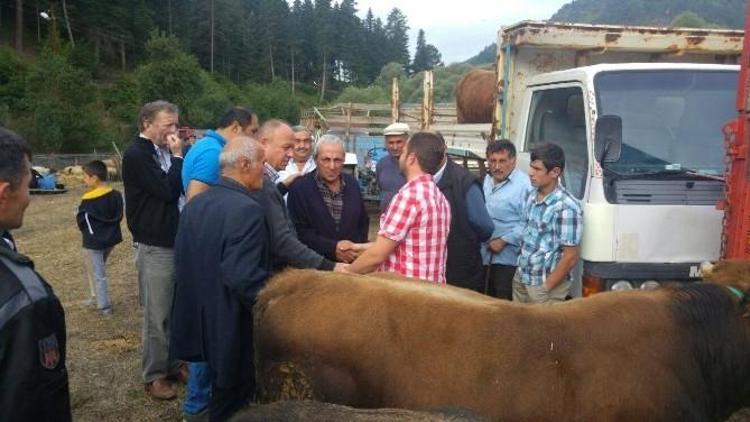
(676, 353)
(313, 411)
(475, 96)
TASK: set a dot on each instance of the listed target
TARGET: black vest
(464, 266)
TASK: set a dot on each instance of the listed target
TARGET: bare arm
(566, 264)
(371, 258)
(194, 188)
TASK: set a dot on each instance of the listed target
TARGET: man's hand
(345, 251)
(361, 247)
(289, 180)
(340, 267)
(175, 144)
(496, 245)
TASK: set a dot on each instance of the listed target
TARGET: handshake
(347, 251)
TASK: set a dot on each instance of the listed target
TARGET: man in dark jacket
(471, 225)
(277, 139)
(33, 377)
(222, 259)
(326, 205)
(151, 177)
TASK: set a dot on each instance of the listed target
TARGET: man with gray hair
(222, 258)
(151, 178)
(277, 140)
(326, 205)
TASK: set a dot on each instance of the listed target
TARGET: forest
(74, 72)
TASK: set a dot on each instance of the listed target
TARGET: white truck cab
(645, 156)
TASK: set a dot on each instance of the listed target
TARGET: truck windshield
(671, 120)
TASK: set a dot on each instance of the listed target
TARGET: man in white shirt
(302, 161)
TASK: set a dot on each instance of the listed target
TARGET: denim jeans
(198, 392)
(96, 260)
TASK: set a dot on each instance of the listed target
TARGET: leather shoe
(160, 389)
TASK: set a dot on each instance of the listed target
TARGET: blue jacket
(314, 224)
(222, 260)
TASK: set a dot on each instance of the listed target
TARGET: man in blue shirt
(553, 231)
(506, 189)
(200, 170)
(201, 166)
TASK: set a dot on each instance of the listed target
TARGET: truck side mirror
(608, 139)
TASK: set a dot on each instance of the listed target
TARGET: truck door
(557, 115)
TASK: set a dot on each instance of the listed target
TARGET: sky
(460, 28)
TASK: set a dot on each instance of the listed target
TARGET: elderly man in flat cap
(387, 171)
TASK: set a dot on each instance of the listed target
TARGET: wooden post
(427, 102)
(348, 122)
(395, 105)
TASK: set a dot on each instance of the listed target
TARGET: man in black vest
(33, 377)
(470, 225)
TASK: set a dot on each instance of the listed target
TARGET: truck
(636, 110)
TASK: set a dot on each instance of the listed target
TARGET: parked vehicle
(642, 151)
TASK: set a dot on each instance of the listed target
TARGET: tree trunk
(97, 49)
(38, 23)
(67, 23)
(212, 34)
(19, 26)
(122, 54)
(323, 78)
(293, 72)
(169, 15)
(270, 54)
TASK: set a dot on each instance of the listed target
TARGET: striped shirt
(550, 224)
(418, 218)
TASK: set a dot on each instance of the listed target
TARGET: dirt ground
(104, 353)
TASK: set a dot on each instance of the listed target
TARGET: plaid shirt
(554, 222)
(334, 200)
(418, 218)
(270, 173)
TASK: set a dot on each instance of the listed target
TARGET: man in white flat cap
(387, 171)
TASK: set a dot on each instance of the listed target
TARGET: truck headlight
(621, 285)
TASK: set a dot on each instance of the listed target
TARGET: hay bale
(314, 411)
(475, 96)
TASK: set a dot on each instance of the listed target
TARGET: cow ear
(733, 273)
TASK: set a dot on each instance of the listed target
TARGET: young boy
(98, 218)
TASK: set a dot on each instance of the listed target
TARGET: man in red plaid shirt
(414, 228)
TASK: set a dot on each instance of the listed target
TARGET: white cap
(396, 129)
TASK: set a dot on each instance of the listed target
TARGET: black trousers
(225, 402)
(500, 282)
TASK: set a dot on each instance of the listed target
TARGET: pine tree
(426, 56)
(396, 30)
